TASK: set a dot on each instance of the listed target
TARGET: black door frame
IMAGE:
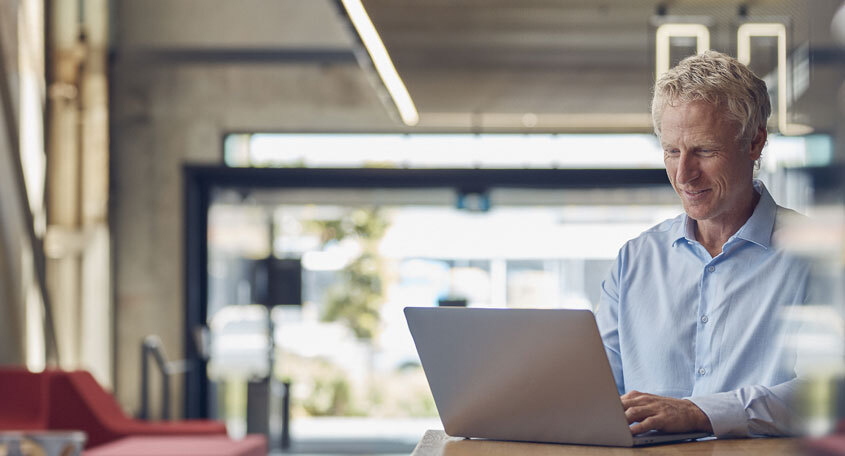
(200, 180)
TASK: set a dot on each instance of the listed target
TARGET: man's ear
(757, 143)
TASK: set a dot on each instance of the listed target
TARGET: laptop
(533, 375)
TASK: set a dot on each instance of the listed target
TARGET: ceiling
(501, 65)
(578, 64)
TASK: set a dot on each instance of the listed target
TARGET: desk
(437, 443)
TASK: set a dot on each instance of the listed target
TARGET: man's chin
(696, 212)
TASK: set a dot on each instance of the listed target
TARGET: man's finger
(631, 394)
(633, 400)
(649, 424)
(638, 413)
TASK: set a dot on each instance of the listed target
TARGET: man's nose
(688, 169)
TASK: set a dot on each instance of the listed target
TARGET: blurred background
(253, 190)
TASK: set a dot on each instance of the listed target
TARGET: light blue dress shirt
(677, 322)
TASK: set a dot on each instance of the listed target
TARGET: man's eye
(672, 151)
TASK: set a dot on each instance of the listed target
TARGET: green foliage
(366, 225)
(357, 298)
(330, 397)
(321, 388)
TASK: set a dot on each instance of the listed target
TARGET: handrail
(152, 346)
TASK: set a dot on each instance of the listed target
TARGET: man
(691, 312)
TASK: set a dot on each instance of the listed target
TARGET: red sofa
(74, 400)
(23, 400)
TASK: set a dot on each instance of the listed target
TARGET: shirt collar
(682, 231)
(757, 229)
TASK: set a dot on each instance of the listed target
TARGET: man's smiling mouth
(695, 194)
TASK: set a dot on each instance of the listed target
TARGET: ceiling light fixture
(666, 32)
(381, 61)
(743, 53)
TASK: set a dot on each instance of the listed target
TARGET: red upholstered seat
(23, 400)
(77, 401)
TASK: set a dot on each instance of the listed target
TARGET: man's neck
(714, 233)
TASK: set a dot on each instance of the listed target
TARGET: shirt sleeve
(751, 411)
(607, 319)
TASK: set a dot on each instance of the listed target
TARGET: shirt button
(704, 319)
(702, 371)
(711, 268)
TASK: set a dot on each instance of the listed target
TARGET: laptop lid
(537, 375)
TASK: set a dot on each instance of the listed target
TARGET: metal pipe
(95, 275)
(62, 195)
(165, 393)
(286, 415)
(144, 413)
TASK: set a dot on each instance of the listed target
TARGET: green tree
(357, 298)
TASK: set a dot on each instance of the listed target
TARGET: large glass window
(345, 346)
(333, 269)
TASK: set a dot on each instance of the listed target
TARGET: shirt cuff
(726, 413)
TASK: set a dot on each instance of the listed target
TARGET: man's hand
(665, 414)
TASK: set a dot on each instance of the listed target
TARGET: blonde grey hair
(720, 80)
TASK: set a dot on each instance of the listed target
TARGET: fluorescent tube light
(381, 61)
(743, 53)
(662, 42)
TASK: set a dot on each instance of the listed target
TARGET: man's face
(708, 168)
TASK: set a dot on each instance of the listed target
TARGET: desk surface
(437, 443)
